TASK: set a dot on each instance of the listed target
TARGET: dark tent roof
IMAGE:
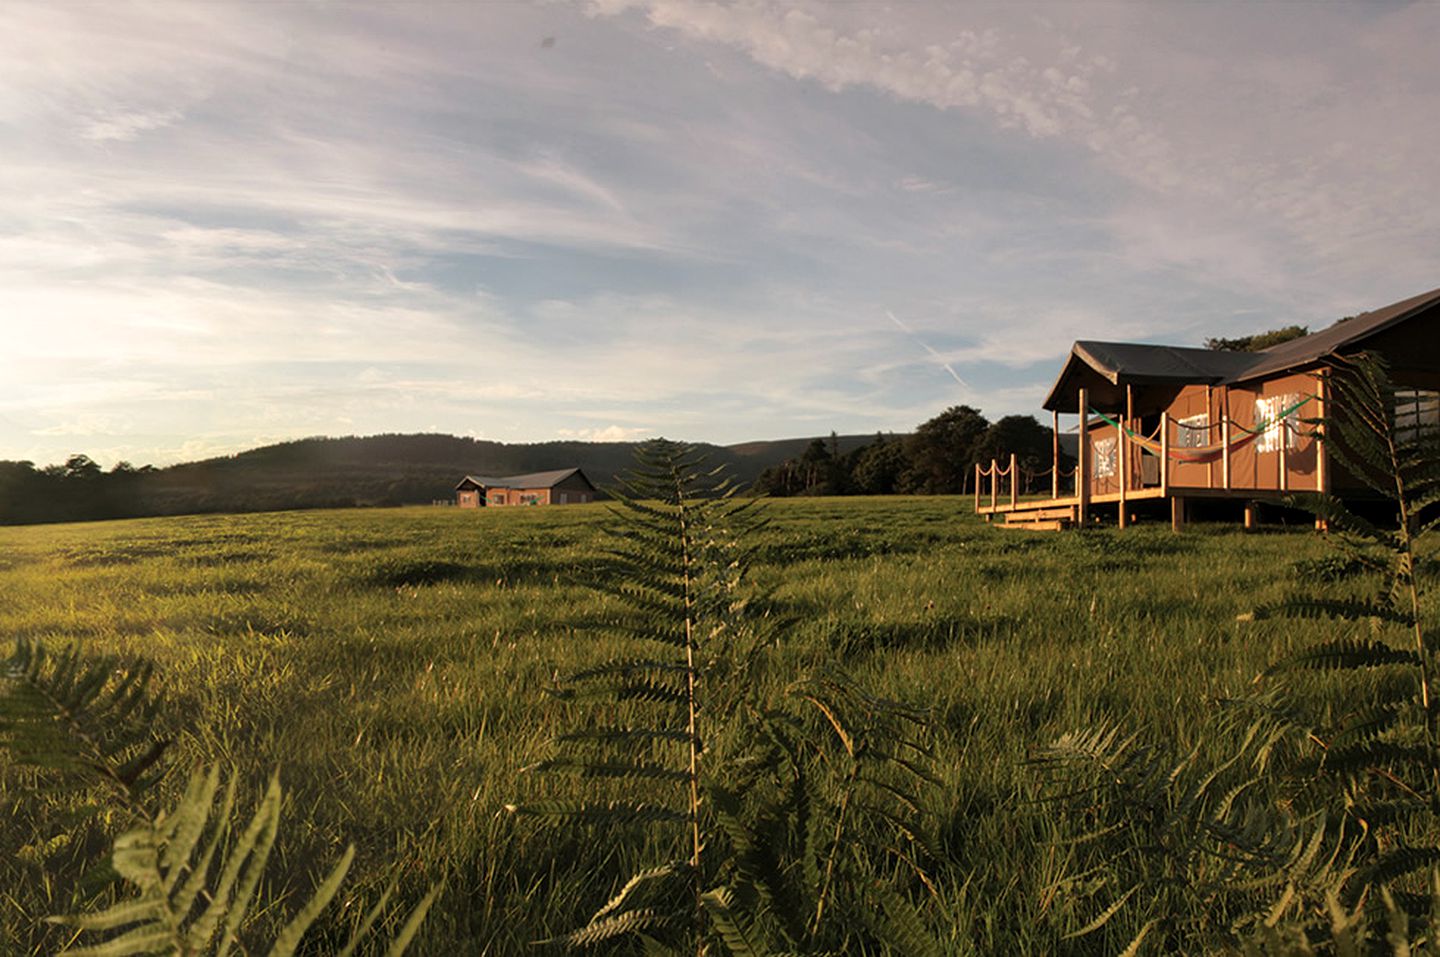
(1105, 368)
(530, 480)
(1337, 338)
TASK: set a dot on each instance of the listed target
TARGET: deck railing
(1132, 478)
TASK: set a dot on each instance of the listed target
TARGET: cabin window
(1267, 415)
(564, 499)
(530, 498)
(1104, 458)
(1193, 432)
(1417, 414)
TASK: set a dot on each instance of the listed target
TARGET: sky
(229, 224)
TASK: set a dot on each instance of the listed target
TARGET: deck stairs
(1041, 519)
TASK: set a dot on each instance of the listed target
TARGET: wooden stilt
(1284, 457)
(1322, 469)
(1082, 461)
(1177, 514)
(1055, 454)
(1122, 452)
(1225, 438)
(1164, 454)
(1209, 417)
(1252, 515)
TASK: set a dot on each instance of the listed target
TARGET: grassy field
(391, 664)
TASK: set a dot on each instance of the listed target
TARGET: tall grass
(393, 663)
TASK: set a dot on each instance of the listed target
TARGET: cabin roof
(1327, 342)
(529, 480)
(1105, 368)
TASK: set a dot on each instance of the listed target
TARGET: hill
(331, 472)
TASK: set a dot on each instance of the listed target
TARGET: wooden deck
(1054, 514)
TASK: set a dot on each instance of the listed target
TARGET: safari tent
(1169, 424)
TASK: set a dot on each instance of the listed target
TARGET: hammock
(1203, 455)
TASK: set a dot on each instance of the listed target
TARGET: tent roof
(1105, 368)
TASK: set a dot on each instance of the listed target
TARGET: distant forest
(386, 470)
(938, 458)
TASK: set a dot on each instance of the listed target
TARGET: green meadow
(392, 664)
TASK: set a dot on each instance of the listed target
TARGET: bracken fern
(781, 813)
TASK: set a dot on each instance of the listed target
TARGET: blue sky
(224, 224)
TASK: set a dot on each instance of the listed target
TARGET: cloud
(220, 222)
(125, 126)
(609, 433)
(1225, 129)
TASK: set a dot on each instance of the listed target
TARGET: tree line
(938, 458)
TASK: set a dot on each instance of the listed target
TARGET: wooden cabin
(1169, 424)
(561, 487)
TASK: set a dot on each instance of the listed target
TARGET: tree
(1258, 341)
(1031, 443)
(879, 466)
(942, 452)
(81, 467)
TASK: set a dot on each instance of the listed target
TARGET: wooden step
(1039, 525)
(1063, 512)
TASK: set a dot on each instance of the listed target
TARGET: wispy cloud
(940, 359)
(221, 222)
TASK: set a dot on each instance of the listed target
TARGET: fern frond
(608, 812)
(75, 713)
(1370, 723)
(1346, 653)
(1365, 756)
(630, 770)
(644, 882)
(898, 923)
(196, 881)
(740, 939)
(624, 735)
(629, 668)
(1103, 918)
(627, 923)
(1399, 862)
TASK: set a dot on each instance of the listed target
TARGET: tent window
(1104, 458)
(1267, 414)
(1417, 414)
(1193, 432)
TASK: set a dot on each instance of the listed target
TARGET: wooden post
(1322, 472)
(1164, 454)
(1209, 417)
(1284, 457)
(1055, 454)
(1082, 461)
(1252, 515)
(977, 488)
(1225, 438)
(1128, 423)
(1177, 513)
(1014, 482)
(1122, 466)
(994, 483)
